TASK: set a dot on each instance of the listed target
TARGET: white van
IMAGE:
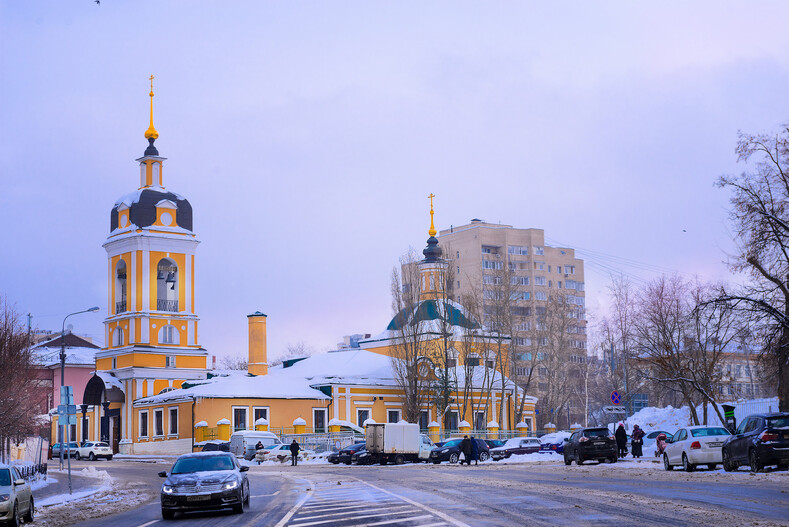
(242, 443)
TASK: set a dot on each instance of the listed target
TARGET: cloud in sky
(307, 137)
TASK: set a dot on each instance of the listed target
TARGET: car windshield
(5, 477)
(356, 447)
(711, 431)
(188, 465)
(453, 442)
(597, 432)
(778, 422)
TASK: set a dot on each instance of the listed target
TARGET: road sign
(613, 409)
(615, 397)
(66, 395)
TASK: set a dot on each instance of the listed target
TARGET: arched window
(167, 285)
(169, 335)
(472, 359)
(117, 336)
(120, 287)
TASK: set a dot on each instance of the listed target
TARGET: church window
(169, 361)
(362, 415)
(239, 418)
(156, 172)
(117, 338)
(169, 335)
(259, 412)
(319, 420)
(392, 416)
(479, 421)
(424, 419)
(472, 359)
(115, 363)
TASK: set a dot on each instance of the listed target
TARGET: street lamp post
(64, 428)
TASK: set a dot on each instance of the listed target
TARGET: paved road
(487, 495)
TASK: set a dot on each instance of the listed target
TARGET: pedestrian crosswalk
(355, 503)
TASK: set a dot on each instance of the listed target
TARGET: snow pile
(105, 484)
(670, 419)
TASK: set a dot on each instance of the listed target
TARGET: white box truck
(397, 443)
(242, 443)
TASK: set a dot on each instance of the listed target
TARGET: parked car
(516, 445)
(759, 441)
(282, 453)
(219, 446)
(72, 449)
(204, 480)
(493, 443)
(346, 454)
(695, 445)
(590, 443)
(450, 451)
(362, 457)
(94, 450)
(553, 442)
(650, 440)
(16, 498)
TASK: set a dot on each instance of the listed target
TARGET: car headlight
(167, 489)
(230, 485)
(444, 450)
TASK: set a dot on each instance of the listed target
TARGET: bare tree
(19, 399)
(760, 214)
(293, 351)
(233, 362)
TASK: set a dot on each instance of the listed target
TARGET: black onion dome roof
(432, 252)
(142, 208)
(428, 310)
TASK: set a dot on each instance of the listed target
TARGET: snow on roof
(242, 386)
(493, 424)
(134, 197)
(110, 381)
(299, 422)
(47, 356)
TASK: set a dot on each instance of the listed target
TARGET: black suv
(590, 443)
(760, 440)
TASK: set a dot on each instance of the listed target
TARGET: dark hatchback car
(760, 440)
(590, 443)
(345, 455)
(222, 446)
(450, 451)
(204, 481)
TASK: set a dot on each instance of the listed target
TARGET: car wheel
(687, 465)
(753, 461)
(398, 460)
(91, 456)
(666, 464)
(109, 458)
(246, 500)
(15, 519)
(579, 460)
(76, 456)
(168, 515)
(31, 512)
(712, 466)
(453, 457)
(483, 456)
(612, 459)
(728, 464)
(238, 509)
(567, 460)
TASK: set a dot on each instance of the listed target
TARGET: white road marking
(265, 495)
(335, 520)
(431, 510)
(311, 510)
(292, 511)
(149, 523)
(412, 518)
(336, 514)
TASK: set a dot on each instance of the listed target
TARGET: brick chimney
(258, 362)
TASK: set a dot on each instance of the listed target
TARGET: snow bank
(670, 419)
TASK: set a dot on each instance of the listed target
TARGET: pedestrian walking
(465, 447)
(474, 450)
(637, 441)
(259, 446)
(621, 440)
(294, 453)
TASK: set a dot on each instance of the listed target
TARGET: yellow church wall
(126, 360)
(160, 384)
(192, 285)
(104, 364)
(53, 431)
(139, 282)
(188, 361)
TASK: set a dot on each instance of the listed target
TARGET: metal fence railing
(29, 471)
(327, 442)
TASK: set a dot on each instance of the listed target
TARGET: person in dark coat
(637, 441)
(294, 453)
(621, 440)
(465, 447)
(259, 446)
(474, 450)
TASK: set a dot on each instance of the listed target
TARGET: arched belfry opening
(167, 277)
(120, 287)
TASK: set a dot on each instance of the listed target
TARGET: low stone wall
(171, 447)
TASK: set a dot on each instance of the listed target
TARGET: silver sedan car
(16, 498)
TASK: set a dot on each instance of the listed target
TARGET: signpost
(67, 416)
(613, 409)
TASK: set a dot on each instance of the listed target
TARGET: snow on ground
(40, 483)
(103, 483)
